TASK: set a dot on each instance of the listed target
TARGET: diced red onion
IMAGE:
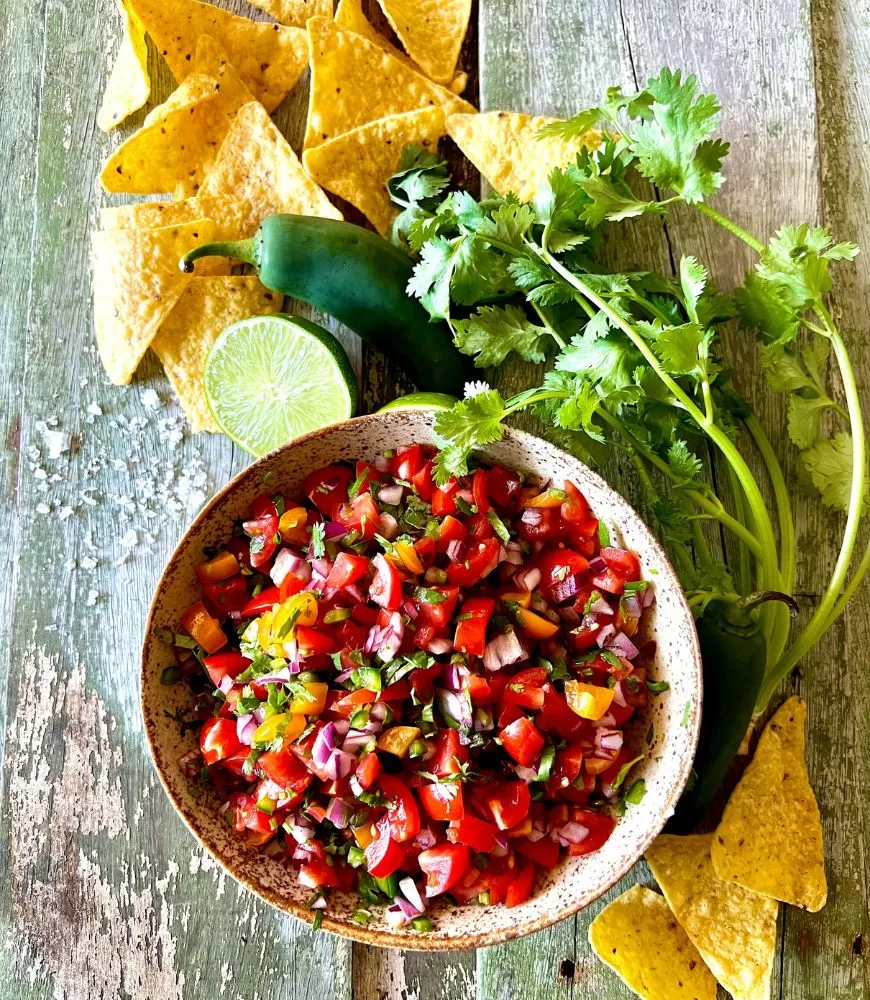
(601, 607)
(378, 711)
(502, 845)
(334, 530)
(425, 838)
(319, 903)
(389, 525)
(502, 554)
(622, 646)
(391, 494)
(526, 774)
(504, 650)
(301, 853)
(298, 829)
(321, 567)
(619, 695)
(382, 463)
(514, 554)
(324, 744)
(412, 893)
(355, 740)
(528, 579)
(260, 714)
(339, 765)
(597, 564)
(246, 726)
(338, 812)
(455, 675)
(276, 677)
(571, 833)
(466, 495)
(535, 835)
(456, 551)
(439, 647)
(288, 562)
(191, 764)
(648, 596)
(410, 609)
(345, 675)
(396, 917)
(564, 590)
(532, 516)
(387, 639)
(608, 739)
(273, 791)
(352, 590)
(605, 722)
(631, 606)
(226, 684)
(605, 635)
(455, 706)
(341, 727)
(610, 793)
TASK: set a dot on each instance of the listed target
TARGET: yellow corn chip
(269, 58)
(136, 282)
(349, 15)
(732, 928)
(157, 214)
(176, 145)
(770, 837)
(295, 12)
(505, 148)
(640, 939)
(257, 174)
(432, 32)
(354, 81)
(129, 85)
(205, 308)
(357, 165)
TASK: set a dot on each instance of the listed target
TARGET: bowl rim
(391, 938)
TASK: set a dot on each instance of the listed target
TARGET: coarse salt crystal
(130, 539)
(95, 409)
(150, 399)
(89, 563)
(56, 443)
(93, 597)
(43, 508)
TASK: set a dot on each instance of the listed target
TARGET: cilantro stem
(744, 569)
(785, 516)
(549, 326)
(732, 227)
(758, 510)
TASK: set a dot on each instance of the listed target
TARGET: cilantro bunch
(635, 363)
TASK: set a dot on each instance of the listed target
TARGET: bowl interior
(667, 732)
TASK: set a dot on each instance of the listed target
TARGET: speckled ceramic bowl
(671, 723)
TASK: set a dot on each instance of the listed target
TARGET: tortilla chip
(206, 307)
(640, 939)
(295, 12)
(257, 174)
(357, 165)
(432, 32)
(179, 140)
(136, 282)
(269, 58)
(349, 15)
(354, 81)
(129, 85)
(504, 147)
(770, 837)
(732, 928)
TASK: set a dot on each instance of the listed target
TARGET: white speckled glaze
(577, 881)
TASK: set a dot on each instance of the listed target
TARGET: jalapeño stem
(241, 250)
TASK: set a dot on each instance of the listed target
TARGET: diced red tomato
(439, 613)
(313, 641)
(475, 833)
(263, 532)
(480, 561)
(367, 771)
(543, 852)
(424, 483)
(625, 564)
(285, 769)
(451, 530)
(521, 888)
(609, 580)
(444, 865)
(327, 488)
(600, 827)
(504, 485)
(227, 595)
(264, 601)
(480, 490)
(523, 741)
(360, 515)
(443, 800)
(386, 587)
(247, 818)
(509, 803)
(558, 568)
(347, 569)
(218, 666)
(318, 874)
(474, 618)
(218, 740)
(542, 524)
(449, 754)
(407, 462)
(383, 855)
(442, 499)
(402, 812)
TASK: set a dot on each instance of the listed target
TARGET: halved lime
(422, 401)
(269, 379)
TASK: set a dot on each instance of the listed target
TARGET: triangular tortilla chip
(268, 57)
(136, 282)
(505, 148)
(732, 928)
(357, 165)
(129, 84)
(770, 837)
(349, 15)
(354, 81)
(158, 214)
(640, 939)
(206, 307)
(432, 32)
(178, 142)
(295, 12)
(257, 168)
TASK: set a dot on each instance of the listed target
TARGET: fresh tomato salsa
(407, 690)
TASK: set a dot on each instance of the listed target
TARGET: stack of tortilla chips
(717, 919)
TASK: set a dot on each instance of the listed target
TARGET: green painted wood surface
(106, 894)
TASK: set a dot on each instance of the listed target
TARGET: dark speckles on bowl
(577, 881)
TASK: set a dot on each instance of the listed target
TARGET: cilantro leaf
(421, 174)
(678, 346)
(471, 423)
(317, 545)
(761, 308)
(829, 463)
(805, 417)
(795, 263)
(494, 331)
(609, 361)
(684, 465)
(693, 281)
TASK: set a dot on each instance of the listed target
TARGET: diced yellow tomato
(314, 704)
(283, 724)
(408, 556)
(588, 700)
(549, 498)
(596, 765)
(277, 627)
(536, 626)
(293, 526)
(364, 834)
(205, 630)
(222, 567)
(398, 739)
(521, 597)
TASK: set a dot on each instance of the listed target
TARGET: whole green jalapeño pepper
(734, 655)
(357, 277)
